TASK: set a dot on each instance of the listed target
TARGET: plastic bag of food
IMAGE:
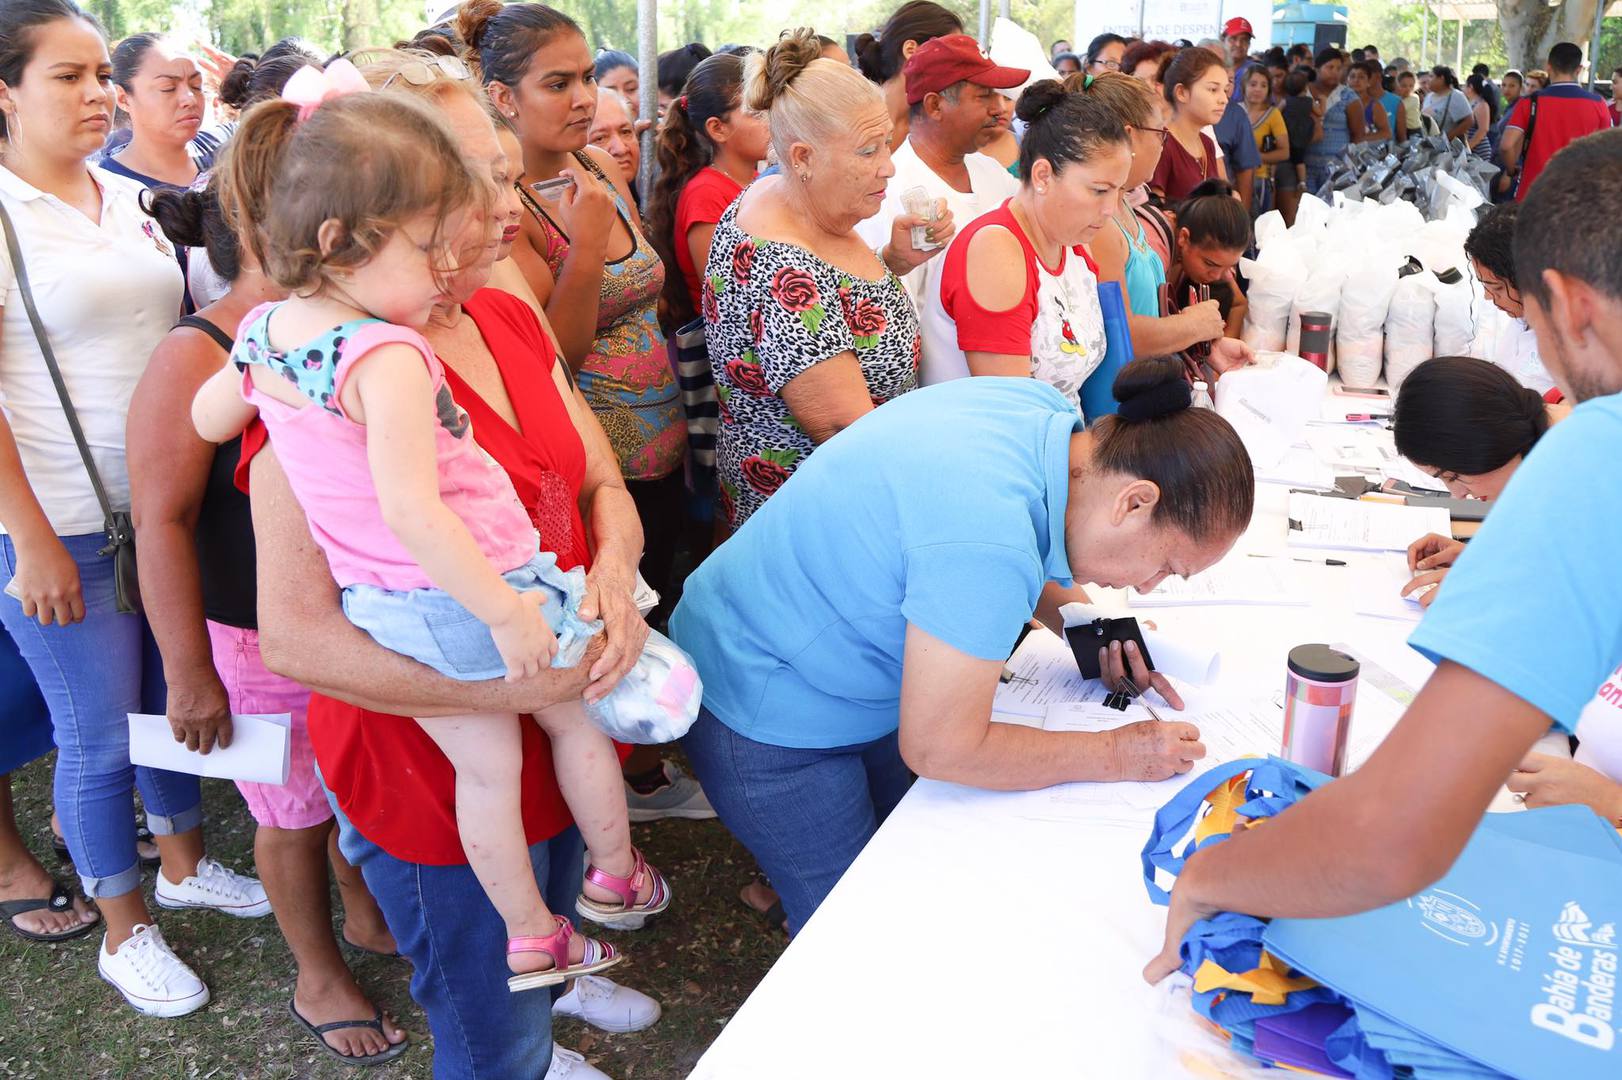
(1409, 327)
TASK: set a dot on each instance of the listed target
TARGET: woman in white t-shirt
(1017, 290)
(107, 288)
(1445, 105)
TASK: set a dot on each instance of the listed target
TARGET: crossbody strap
(21, 271)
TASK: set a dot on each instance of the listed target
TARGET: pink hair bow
(310, 87)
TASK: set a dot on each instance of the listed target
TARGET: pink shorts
(252, 688)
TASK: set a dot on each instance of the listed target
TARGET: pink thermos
(1319, 693)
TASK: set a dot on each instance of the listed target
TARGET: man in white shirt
(950, 88)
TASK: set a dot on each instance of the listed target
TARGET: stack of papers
(1318, 521)
(1245, 728)
(1042, 672)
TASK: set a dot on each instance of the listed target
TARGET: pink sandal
(627, 914)
(599, 956)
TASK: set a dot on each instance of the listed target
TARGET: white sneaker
(568, 1065)
(682, 797)
(152, 978)
(607, 1006)
(213, 886)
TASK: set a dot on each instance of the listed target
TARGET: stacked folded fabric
(1508, 966)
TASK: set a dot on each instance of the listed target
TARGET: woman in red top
(1195, 83)
(708, 149)
(393, 789)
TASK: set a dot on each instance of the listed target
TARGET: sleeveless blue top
(1144, 272)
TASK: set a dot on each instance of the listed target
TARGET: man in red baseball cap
(952, 92)
(1237, 35)
(941, 63)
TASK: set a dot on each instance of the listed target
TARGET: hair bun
(772, 72)
(234, 88)
(1151, 388)
(472, 18)
(1038, 98)
(868, 60)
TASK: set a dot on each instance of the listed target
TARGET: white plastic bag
(657, 701)
(1454, 330)
(1320, 292)
(1269, 227)
(1360, 333)
(1273, 280)
(1409, 323)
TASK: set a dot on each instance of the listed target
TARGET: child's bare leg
(588, 772)
(484, 749)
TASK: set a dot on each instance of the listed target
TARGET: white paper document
(258, 752)
(1349, 449)
(1243, 728)
(1043, 672)
(1318, 521)
(1232, 581)
(1299, 468)
(1383, 599)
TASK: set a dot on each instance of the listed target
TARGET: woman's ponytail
(683, 149)
(253, 158)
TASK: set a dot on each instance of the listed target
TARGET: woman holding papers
(833, 667)
(106, 287)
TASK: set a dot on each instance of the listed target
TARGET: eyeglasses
(1107, 65)
(422, 72)
(1164, 133)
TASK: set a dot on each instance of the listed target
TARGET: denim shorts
(429, 626)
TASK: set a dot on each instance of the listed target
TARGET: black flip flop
(773, 917)
(143, 835)
(375, 1023)
(58, 902)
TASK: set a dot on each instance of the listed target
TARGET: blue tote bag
(1097, 393)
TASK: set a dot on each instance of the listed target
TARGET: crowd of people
(400, 328)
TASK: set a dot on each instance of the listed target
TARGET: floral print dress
(772, 310)
(626, 378)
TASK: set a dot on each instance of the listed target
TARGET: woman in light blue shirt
(855, 627)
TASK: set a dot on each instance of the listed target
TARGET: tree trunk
(360, 24)
(1532, 27)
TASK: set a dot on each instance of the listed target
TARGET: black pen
(1294, 558)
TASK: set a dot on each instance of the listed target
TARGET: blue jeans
(803, 814)
(25, 721)
(456, 943)
(93, 675)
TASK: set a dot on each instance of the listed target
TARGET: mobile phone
(552, 190)
(1363, 391)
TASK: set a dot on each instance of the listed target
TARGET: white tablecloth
(973, 938)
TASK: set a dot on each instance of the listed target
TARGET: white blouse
(107, 292)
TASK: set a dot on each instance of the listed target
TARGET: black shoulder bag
(120, 530)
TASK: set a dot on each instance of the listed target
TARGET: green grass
(58, 1019)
